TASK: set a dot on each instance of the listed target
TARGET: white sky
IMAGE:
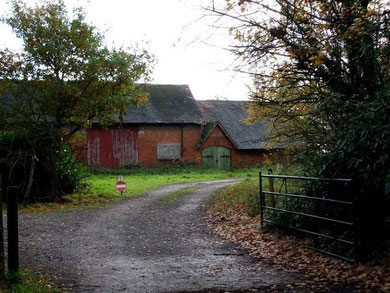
(188, 50)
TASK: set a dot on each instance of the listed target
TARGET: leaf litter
(321, 273)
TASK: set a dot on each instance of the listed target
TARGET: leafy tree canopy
(321, 72)
(65, 73)
(62, 80)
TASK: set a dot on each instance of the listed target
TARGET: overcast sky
(188, 50)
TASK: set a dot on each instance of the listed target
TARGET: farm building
(173, 127)
(225, 133)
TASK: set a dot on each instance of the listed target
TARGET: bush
(42, 166)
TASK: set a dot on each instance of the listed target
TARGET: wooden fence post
(271, 189)
(2, 267)
(12, 224)
(261, 200)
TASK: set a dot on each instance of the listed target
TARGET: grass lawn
(100, 183)
(175, 196)
(26, 282)
(240, 196)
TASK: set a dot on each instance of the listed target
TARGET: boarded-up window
(169, 151)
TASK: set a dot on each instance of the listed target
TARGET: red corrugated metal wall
(113, 148)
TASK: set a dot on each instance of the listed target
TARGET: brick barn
(173, 127)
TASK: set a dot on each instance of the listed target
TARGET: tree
(321, 72)
(64, 79)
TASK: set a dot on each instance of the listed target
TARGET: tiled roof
(167, 104)
(230, 115)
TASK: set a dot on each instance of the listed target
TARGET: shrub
(42, 167)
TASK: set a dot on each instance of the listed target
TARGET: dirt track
(140, 245)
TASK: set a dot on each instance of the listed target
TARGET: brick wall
(245, 158)
(192, 153)
(149, 136)
(218, 138)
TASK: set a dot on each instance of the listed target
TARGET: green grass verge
(244, 195)
(26, 282)
(235, 197)
(175, 196)
(100, 183)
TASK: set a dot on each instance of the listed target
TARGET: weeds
(238, 195)
(171, 170)
(175, 196)
(24, 281)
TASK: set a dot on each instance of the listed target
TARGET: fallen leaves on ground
(289, 254)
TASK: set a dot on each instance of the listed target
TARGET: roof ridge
(224, 101)
(167, 84)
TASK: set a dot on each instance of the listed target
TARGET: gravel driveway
(140, 245)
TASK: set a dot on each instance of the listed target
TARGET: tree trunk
(271, 189)
(30, 180)
(2, 267)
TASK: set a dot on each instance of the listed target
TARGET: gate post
(12, 224)
(356, 233)
(271, 189)
(261, 200)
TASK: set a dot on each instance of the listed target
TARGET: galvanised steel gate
(328, 218)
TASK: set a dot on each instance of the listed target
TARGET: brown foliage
(323, 273)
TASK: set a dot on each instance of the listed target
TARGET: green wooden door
(216, 157)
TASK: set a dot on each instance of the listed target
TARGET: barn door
(113, 148)
(124, 147)
(216, 157)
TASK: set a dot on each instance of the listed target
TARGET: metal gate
(331, 219)
(216, 157)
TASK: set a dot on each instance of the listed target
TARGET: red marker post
(120, 185)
